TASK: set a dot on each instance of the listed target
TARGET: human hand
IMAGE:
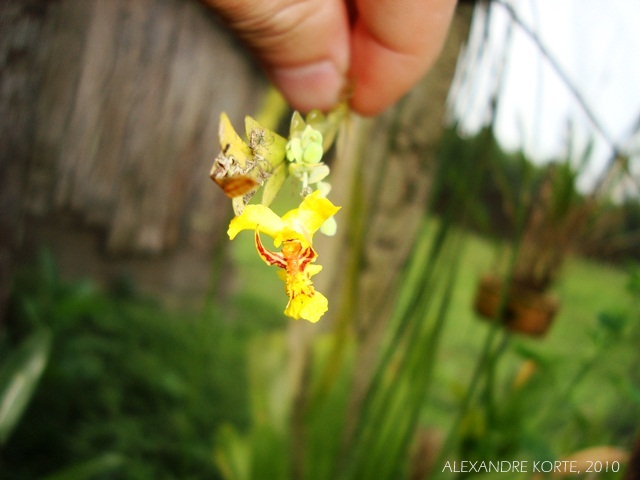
(311, 49)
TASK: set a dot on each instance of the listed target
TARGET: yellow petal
(288, 234)
(230, 142)
(311, 270)
(256, 217)
(311, 214)
(307, 307)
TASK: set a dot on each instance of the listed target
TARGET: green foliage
(267, 451)
(19, 377)
(131, 390)
(501, 178)
(510, 186)
(95, 468)
(543, 400)
(340, 439)
(534, 399)
(439, 368)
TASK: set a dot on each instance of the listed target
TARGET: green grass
(568, 352)
(557, 420)
(153, 386)
(127, 379)
(585, 289)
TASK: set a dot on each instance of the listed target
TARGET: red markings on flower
(293, 258)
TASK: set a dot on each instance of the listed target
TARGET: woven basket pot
(525, 310)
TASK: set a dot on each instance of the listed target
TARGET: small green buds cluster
(304, 152)
(306, 148)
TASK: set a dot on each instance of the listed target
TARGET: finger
(394, 43)
(304, 45)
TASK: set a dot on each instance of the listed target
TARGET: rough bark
(20, 30)
(395, 177)
(123, 132)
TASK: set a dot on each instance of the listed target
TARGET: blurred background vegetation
(137, 343)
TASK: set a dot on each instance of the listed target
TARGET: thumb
(303, 45)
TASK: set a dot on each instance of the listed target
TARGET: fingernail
(317, 85)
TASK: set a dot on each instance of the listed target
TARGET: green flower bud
(315, 117)
(311, 136)
(297, 125)
(312, 153)
(294, 150)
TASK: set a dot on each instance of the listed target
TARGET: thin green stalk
(485, 360)
(381, 173)
(449, 443)
(566, 395)
(492, 363)
(272, 110)
(361, 208)
(345, 314)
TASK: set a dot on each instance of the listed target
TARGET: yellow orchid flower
(294, 232)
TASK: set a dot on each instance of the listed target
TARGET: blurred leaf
(633, 284)
(626, 387)
(269, 381)
(612, 322)
(19, 377)
(232, 454)
(269, 454)
(532, 352)
(273, 109)
(90, 469)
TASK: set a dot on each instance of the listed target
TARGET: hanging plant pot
(526, 310)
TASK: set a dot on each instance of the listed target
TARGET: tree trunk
(20, 31)
(121, 116)
(400, 150)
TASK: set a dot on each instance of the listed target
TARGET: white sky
(595, 42)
